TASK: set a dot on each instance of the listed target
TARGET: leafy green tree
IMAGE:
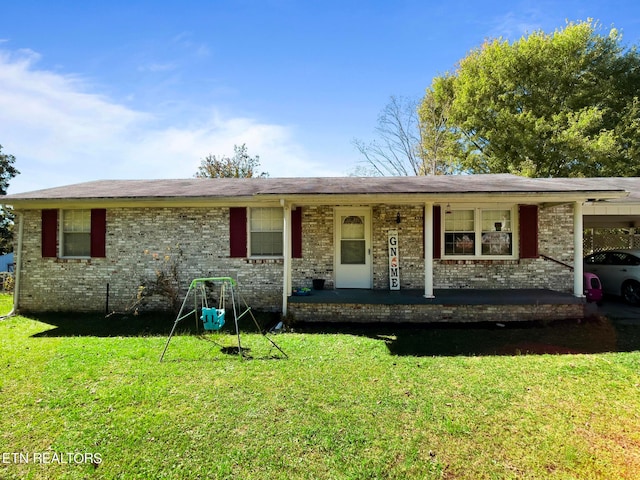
(7, 218)
(241, 165)
(439, 147)
(560, 104)
(7, 172)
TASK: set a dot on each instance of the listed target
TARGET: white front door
(353, 247)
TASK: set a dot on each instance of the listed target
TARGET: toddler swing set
(213, 318)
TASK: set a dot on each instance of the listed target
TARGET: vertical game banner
(394, 262)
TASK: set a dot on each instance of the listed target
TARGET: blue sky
(146, 89)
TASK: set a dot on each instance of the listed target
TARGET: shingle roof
(249, 187)
(629, 184)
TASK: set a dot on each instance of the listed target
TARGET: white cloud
(185, 41)
(60, 133)
(157, 67)
(514, 25)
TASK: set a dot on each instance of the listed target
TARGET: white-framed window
(459, 233)
(265, 232)
(76, 233)
(479, 232)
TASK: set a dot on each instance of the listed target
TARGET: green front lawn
(6, 303)
(370, 402)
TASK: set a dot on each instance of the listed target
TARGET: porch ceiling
(611, 221)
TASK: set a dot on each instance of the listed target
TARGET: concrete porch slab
(442, 297)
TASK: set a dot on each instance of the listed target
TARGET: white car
(619, 272)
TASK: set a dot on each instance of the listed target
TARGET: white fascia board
(318, 199)
(604, 208)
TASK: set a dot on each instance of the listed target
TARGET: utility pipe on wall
(18, 263)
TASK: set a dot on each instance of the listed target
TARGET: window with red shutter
(74, 232)
(238, 238)
(465, 232)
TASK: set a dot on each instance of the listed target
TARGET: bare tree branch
(405, 145)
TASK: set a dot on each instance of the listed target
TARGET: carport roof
(252, 187)
(621, 212)
(629, 184)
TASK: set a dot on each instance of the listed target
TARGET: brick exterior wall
(317, 248)
(140, 242)
(410, 245)
(366, 313)
(555, 240)
(143, 240)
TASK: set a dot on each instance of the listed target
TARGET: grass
(374, 402)
(6, 303)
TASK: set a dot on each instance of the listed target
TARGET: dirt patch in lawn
(616, 448)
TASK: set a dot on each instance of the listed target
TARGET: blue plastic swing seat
(212, 318)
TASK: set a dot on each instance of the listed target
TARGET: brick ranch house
(445, 248)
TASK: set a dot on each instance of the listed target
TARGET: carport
(612, 223)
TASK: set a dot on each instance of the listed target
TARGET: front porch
(448, 305)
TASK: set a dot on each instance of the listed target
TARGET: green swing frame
(214, 318)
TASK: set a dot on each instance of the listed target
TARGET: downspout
(18, 263)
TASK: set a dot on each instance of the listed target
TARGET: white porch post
(428, 250)
(286, 252)
(578, 288)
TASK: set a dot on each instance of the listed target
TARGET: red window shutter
(528, 231)
(49, 233)
(437, 239)
(296, 233)
(238, 232)
(436, 231)
(98, 232)
(424, 226)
